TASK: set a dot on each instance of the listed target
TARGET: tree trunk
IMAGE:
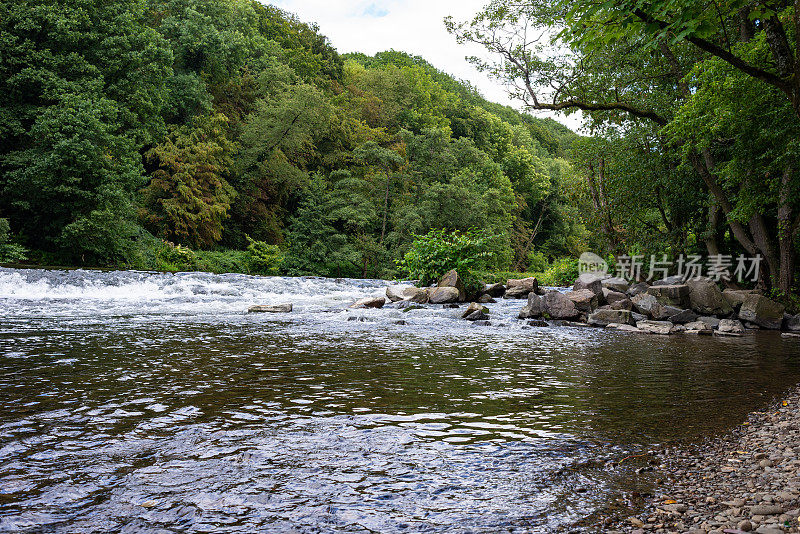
(786, 232)
(385, 206)
(712, 239)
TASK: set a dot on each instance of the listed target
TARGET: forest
(228, 135)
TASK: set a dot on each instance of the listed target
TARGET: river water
(142, 402)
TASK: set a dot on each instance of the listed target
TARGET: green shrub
(264, 258)
(223, 261)
(537, 262)
(10, 252)
(562, 272)
(170, 257)
(437, 252)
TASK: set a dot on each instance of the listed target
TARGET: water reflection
(145, 412)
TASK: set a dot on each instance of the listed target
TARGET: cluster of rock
(747, 482)
(451, 291)
(667, 307)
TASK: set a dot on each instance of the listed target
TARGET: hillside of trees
(229, 135)
(137, 132)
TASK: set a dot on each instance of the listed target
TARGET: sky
(413, 26)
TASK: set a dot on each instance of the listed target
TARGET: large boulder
(370, 302)
(592, 282)
(559, 306)
(637, 289)
(494, 290)
(279, 308)
(663, 328)
(451, 279)
(607, 317)
(706, 298)
(584, 299)
(682, 317)
(521, 288)
(624, 304)
(671, 295)
(534, 309)
(396, 293)
(444, 295)
(616, 284)
(670, 281)
(663, 313)
(420, 295)
(646, 304)
(762, 311)
(735, 297)
(475, 312)
(611, 296)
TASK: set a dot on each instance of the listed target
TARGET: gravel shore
(747, 481)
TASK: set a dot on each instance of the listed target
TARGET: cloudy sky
(414, 26)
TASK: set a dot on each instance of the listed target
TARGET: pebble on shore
(747, 481)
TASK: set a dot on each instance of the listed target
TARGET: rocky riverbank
(747, 481)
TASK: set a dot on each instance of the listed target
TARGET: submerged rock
(663, 328)
(279, 308)
(370, 302)
(475, 312)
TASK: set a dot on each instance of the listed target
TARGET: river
(146, 402)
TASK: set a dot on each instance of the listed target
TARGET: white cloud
(413, 26)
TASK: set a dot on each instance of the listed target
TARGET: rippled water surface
(141, 402)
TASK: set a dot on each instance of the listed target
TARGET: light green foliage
(9, 252)
(264, 258)
(235, 129)
(437, 252)
(188, 197)
(171, 257)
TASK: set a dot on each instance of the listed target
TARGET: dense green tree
(188, 198)
(82, 84)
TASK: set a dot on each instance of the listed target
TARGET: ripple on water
(136, 401)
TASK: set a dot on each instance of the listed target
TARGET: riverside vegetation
(229, 136)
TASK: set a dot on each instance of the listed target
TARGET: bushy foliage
(263, 258)
(233, 128)
(562, 272)
(437, 252)
(9, 252)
